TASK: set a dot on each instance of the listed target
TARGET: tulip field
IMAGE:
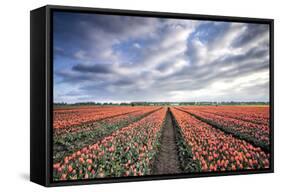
(118, 141)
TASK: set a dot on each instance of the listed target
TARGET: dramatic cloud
(116, 58)
(98, 68)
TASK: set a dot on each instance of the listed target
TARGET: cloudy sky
(106, 58)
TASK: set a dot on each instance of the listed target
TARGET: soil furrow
(167, 161)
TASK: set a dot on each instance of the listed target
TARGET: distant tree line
(163, 103)
(92, 103)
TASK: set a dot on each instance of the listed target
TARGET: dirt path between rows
(167, 160)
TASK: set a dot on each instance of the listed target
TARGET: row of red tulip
(257, 132)
(258, 115)
(217, 151)
(128, 151)
(127, 117)
(78, 115)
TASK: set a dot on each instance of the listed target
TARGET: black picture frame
(41, 91)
